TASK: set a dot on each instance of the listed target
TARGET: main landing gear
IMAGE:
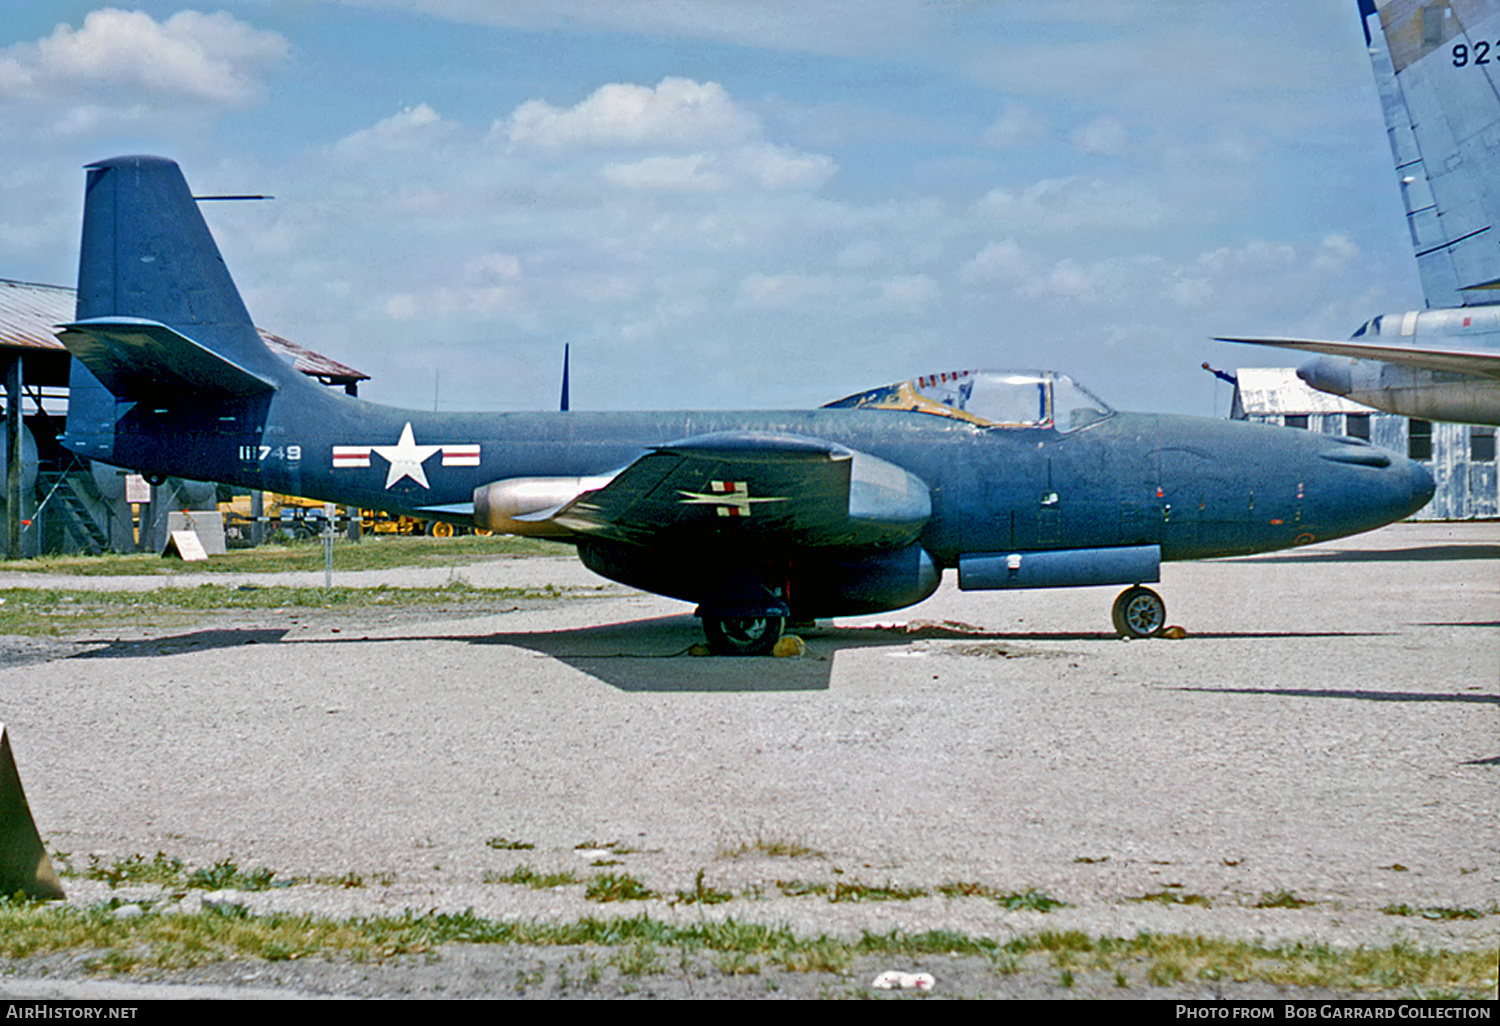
(743, 635)
(1139, 613)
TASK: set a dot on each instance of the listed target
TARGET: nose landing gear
(1139, 613)
(743, 635)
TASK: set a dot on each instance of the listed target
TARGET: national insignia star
(406, 458)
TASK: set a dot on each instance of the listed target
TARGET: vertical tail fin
(1437, 68)
(158, 314)
(148, 254)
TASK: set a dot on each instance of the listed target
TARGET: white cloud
(837, 293)
(777, 167)
(119, 55)
(1253, 258)
(493, 268)
(413, 128)
(1336, 253)
(1017, 125)
(861, 254)
(910, 293)
(761, 166)
(1104, 135)
(678, 113)
(1000, 263)
(695, 173)
(1055, 205)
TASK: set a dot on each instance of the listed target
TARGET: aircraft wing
(752, 488)
(1458, 360)
(134, 357)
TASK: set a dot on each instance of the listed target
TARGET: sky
(737, 204)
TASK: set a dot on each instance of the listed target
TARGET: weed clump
(603, 887)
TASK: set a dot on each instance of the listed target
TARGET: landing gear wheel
(1139, 613)
(440, 529)
(743, 635)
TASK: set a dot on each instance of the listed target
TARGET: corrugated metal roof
(311, 363)
(29, 311)
(1278, 390)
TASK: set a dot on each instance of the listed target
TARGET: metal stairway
(62, 491)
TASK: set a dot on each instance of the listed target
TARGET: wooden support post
(13, 458)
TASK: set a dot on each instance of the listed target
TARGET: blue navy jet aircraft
(1436, 69)
(1016, 480)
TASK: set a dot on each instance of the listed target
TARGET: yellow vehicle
(376, 521)
(305, 518)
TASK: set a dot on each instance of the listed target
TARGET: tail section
(148, 254)
(1438, 71)
(158, 316)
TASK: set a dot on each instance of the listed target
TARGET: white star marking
(406, 458)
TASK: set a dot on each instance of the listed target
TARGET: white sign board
(187, 545)
(136, 489)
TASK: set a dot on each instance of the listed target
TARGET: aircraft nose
(1327, 374)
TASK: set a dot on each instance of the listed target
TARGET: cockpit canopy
(998, 399)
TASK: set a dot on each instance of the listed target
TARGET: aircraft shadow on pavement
(655, 655)
(1424, 553)
(177, 644)
(1367, 696)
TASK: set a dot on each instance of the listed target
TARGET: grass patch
(638, 959)
(840, 891)
(35, 611)
(604, 887)
(1282, 899)
(371, 553)
(1014, 901)
(502, 844)
(175, 940)
(166, 871)
(225, 875)
(761, 846)
(1441, 913)
(702, 894)
(1170, 897)
(160, 869)
(525, 876)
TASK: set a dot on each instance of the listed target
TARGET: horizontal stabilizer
(1457, 360)
(136, 358)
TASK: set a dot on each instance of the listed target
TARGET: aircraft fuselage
(1198, 488)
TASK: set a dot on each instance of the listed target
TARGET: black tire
(1139, 613)
(743, 635)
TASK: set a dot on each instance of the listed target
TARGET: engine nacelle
(820, 585)
(525, 505)
(858, 585)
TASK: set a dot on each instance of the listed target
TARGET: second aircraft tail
(1437, 66)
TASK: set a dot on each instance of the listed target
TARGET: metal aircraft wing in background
(1437, 67)
(1014, 480)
